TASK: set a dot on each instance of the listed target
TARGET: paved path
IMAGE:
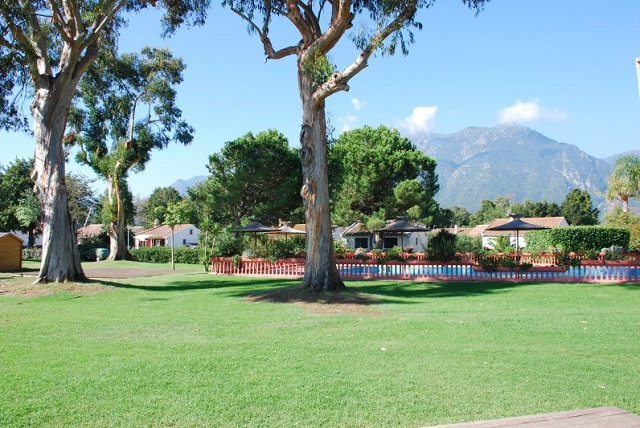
(601, 417)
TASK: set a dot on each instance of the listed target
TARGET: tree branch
(294, 15)
(269, 51)
(72, 11)
(339, 81)
(59, 21)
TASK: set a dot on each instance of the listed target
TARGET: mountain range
(477, 164)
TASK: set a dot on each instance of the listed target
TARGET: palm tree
(624, 181)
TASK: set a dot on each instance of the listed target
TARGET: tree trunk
(60, 255)
(320, 272)
(117, 228)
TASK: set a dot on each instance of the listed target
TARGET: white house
(357, 236)
(185, 235)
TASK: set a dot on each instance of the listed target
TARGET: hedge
(192, 256)
(578, 238)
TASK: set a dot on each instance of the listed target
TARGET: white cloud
(420, 121)
(347, 123)
(530, 111)
(357, 104)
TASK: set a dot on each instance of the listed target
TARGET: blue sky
(564, 68)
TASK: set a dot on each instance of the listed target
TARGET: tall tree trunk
(320, 272)
(117, 228)
(60, 255)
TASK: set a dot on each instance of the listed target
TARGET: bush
(228, 244)
(442, 246)
(193, 256)
(32, 253)
(578, 239)
(152, 254)
(489, 264)
(395, 253)
(341, 248)
(468, 244)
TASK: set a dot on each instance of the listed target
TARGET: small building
(10, 252)
(185, 235)
(489, 236)
(358, 236)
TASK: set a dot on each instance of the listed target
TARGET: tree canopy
(375, 169)
(577, 208)
(126, 108)
(252, 176)
(154, 210)
(45, 48)
(624, 181)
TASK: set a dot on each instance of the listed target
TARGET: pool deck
(600, 417)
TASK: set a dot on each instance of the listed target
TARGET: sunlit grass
(191, 349)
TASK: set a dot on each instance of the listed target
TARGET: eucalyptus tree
(46, 46)
(624, 181)
(320, 26)
(126, 109)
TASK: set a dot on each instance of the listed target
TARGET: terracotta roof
(547, 222)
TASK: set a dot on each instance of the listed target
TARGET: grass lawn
(190, 350)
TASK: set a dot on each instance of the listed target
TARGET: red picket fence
(422, 270)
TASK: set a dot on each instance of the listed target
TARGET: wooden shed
(10, 252)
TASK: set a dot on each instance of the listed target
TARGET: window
(190, 231)
(390, 242)
(362, 242)
(184, 242)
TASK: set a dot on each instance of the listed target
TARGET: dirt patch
(23, 286)
(124, 273)
(343, 303)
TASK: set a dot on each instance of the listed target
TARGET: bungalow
(489, 236)
(10, 252)
(358, 236)
(185, 235)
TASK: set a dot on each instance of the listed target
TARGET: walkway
(601, 417)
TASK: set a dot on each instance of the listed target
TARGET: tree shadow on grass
(363, 293)
(205, 283)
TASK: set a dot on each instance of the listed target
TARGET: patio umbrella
(287, 230)
(399, 227)
(517, 224)
(255, 228)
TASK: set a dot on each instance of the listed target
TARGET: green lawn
(191, 349)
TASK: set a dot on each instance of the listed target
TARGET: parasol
(287, 230)
(255, 228)
(517, 224)
(399, 227)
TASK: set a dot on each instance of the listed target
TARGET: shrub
(191, 256)
(578, 239)
(32, 253)
(468, 244)
(228, 244)
(340, 248)
(395, 253)
(152, 254)
(442, 246)
(489, 264)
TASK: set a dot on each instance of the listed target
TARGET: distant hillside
(182, 185)
(475, 164)
(612, 159)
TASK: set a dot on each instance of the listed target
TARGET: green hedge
(193, 256)
(578, 238)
